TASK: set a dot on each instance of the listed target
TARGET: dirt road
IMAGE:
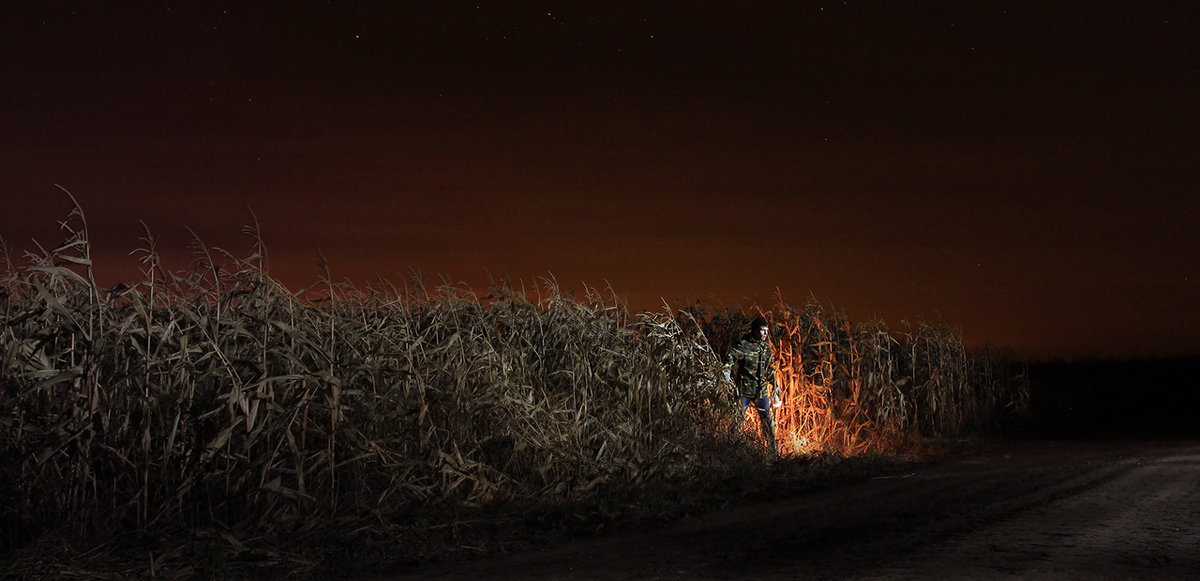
(1047, 510)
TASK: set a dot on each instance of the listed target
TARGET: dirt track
(1049, 510)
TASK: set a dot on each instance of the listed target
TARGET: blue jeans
(763, 405)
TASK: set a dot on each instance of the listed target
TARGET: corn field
(217, 395)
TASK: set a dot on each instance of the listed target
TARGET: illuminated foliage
(219, 395)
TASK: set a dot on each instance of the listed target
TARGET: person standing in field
(754, 365)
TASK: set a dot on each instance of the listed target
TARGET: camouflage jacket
(755, 367)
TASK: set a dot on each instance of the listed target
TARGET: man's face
(763, 332)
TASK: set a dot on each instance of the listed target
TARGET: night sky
(1026, 171)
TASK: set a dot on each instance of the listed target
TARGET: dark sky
(1026, 171)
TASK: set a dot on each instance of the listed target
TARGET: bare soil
(1033, 510)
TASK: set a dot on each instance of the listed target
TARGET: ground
(1031, 510)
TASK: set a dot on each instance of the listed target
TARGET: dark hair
(758, 322)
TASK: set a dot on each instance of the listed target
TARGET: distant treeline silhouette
(1143, 397)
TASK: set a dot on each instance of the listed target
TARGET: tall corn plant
(817, 362)
(217, 394)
